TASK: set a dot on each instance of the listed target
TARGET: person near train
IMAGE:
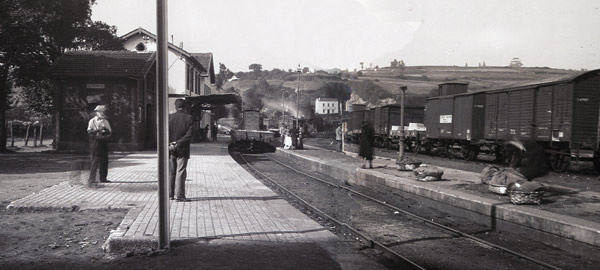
(294, 134)
(531, 160)
(338, 137)
(99, 131)
(367, 138)
(214, 130)
(180, 135)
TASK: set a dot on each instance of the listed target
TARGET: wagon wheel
(245, 146)
(559, 162)
(470, 153)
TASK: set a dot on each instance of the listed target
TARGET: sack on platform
(408, 164)
(428, 173)
(488, 173)
(503, 178)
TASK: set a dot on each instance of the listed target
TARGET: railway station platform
(566, 214)
(229, 211)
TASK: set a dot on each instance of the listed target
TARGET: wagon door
(561, 113)
(543, 114)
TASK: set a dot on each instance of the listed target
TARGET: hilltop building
(326, 106)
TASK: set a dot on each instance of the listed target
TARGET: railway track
(408, 240)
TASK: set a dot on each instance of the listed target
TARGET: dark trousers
(177, 176)
(99, 157)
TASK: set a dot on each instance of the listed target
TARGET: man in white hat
(100, 131)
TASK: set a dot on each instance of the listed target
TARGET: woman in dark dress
(367, 136)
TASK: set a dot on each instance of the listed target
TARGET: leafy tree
(34, 33)
(257, 68)
(224, 74)
(394, 63)
(401, 64)
(339, 91)
(305, 70)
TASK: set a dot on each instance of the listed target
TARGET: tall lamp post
(162, 91)
(298, 97)
(282, 107)
(401, 142)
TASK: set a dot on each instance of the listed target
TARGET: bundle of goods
(428, 173)
(488, 173)
(526, 193)
(502, 178)
(407, 164)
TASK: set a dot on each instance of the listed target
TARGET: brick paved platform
(227, 203)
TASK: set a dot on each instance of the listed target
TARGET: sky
(329, 34)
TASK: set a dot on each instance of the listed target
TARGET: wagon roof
(542, 82)
(530, 84)
(102, 64)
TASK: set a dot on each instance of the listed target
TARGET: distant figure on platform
(100, 131)
(338, 137)
(301, 135)
(213, 132)
(532, 161)
(294, 134)
(367, 137)
(180, 134)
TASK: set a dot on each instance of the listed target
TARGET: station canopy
(209, 100)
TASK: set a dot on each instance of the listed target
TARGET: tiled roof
(206, 60)
(102, 64)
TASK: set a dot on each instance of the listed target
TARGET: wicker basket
(499, 189)
(520, 197)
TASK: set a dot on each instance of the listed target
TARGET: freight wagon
(386, 122)
(387, 125)
(563, 115)
(252, 136)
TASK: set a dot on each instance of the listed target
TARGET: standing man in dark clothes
(214, 131)
(180, 134)
(294, 134)
(365, 150)
(100, 131)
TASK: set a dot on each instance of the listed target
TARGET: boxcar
(563, 115)
(456, 121)
(389, 124)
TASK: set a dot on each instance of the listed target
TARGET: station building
(125, 81)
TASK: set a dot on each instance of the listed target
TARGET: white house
(190, 74)
(326, 106)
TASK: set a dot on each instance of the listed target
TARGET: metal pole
(298, 97)
(401, 143)
(283, 107)
(163, 124)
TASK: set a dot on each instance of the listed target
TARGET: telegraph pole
(298, 97)
(401, 142)
(162, 91)
(282, 106)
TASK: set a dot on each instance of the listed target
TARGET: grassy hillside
(375, 87)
